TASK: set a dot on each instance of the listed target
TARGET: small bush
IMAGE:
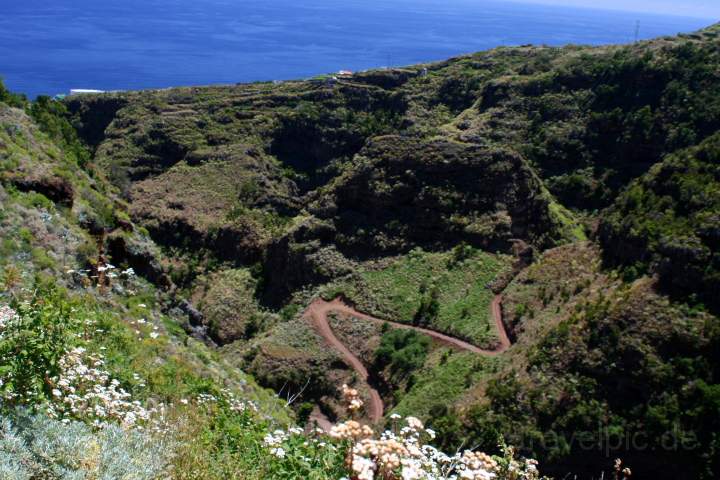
(32, 344)
(460, 253)
(429, 309)
(403, 351)
(12, 99)
(36, 446)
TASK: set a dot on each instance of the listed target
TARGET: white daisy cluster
(7, 317)
(404, 455)
(313, 437)
(400, 454)
(274, 442)
(235, 404)
(113, 273)
(129, 272)
(105, 268)
(85, 390)
(143, 327)
(238, 405)
(108, 270)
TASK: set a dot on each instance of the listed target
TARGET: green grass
(571, 228)
(395, 291)
(208, 441)
(242, 454)
(445, 377)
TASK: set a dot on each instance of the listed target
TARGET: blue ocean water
(50, 46)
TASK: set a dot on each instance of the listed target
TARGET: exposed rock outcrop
(402, 193)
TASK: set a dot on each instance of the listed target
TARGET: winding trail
(318, 312)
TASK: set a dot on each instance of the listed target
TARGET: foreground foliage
(88, 426)
(36, 446)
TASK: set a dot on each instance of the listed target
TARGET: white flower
(154, 335)
(89, 392)
(270, 440)
(363, 467)
(7, 316)
(411, 473)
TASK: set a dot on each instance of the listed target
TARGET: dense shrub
(667, 223)
(32, 343)
(429, 308)
(625, 376)
(403, 351)
(603, 119)
(53, 118)
(12, 99)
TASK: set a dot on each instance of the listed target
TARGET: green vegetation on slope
(457, 281)
(599, 360)
(291, 358)
(594, 119)
(441, 383)
(227, 302)
(668, 222)
(51, 214)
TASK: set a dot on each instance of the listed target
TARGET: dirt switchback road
(318, 311)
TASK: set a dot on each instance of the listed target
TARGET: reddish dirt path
(318, 311)
(322, 421)
(496, 309)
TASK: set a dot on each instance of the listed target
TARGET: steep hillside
(590, 120)
(69, 306)
(402, 192)
(668, 223)
(520, 245)
(600, 364)
(232, 171)
(225, 170)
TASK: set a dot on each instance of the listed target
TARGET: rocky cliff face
(404, 192)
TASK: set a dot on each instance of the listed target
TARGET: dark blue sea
(51, 46)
